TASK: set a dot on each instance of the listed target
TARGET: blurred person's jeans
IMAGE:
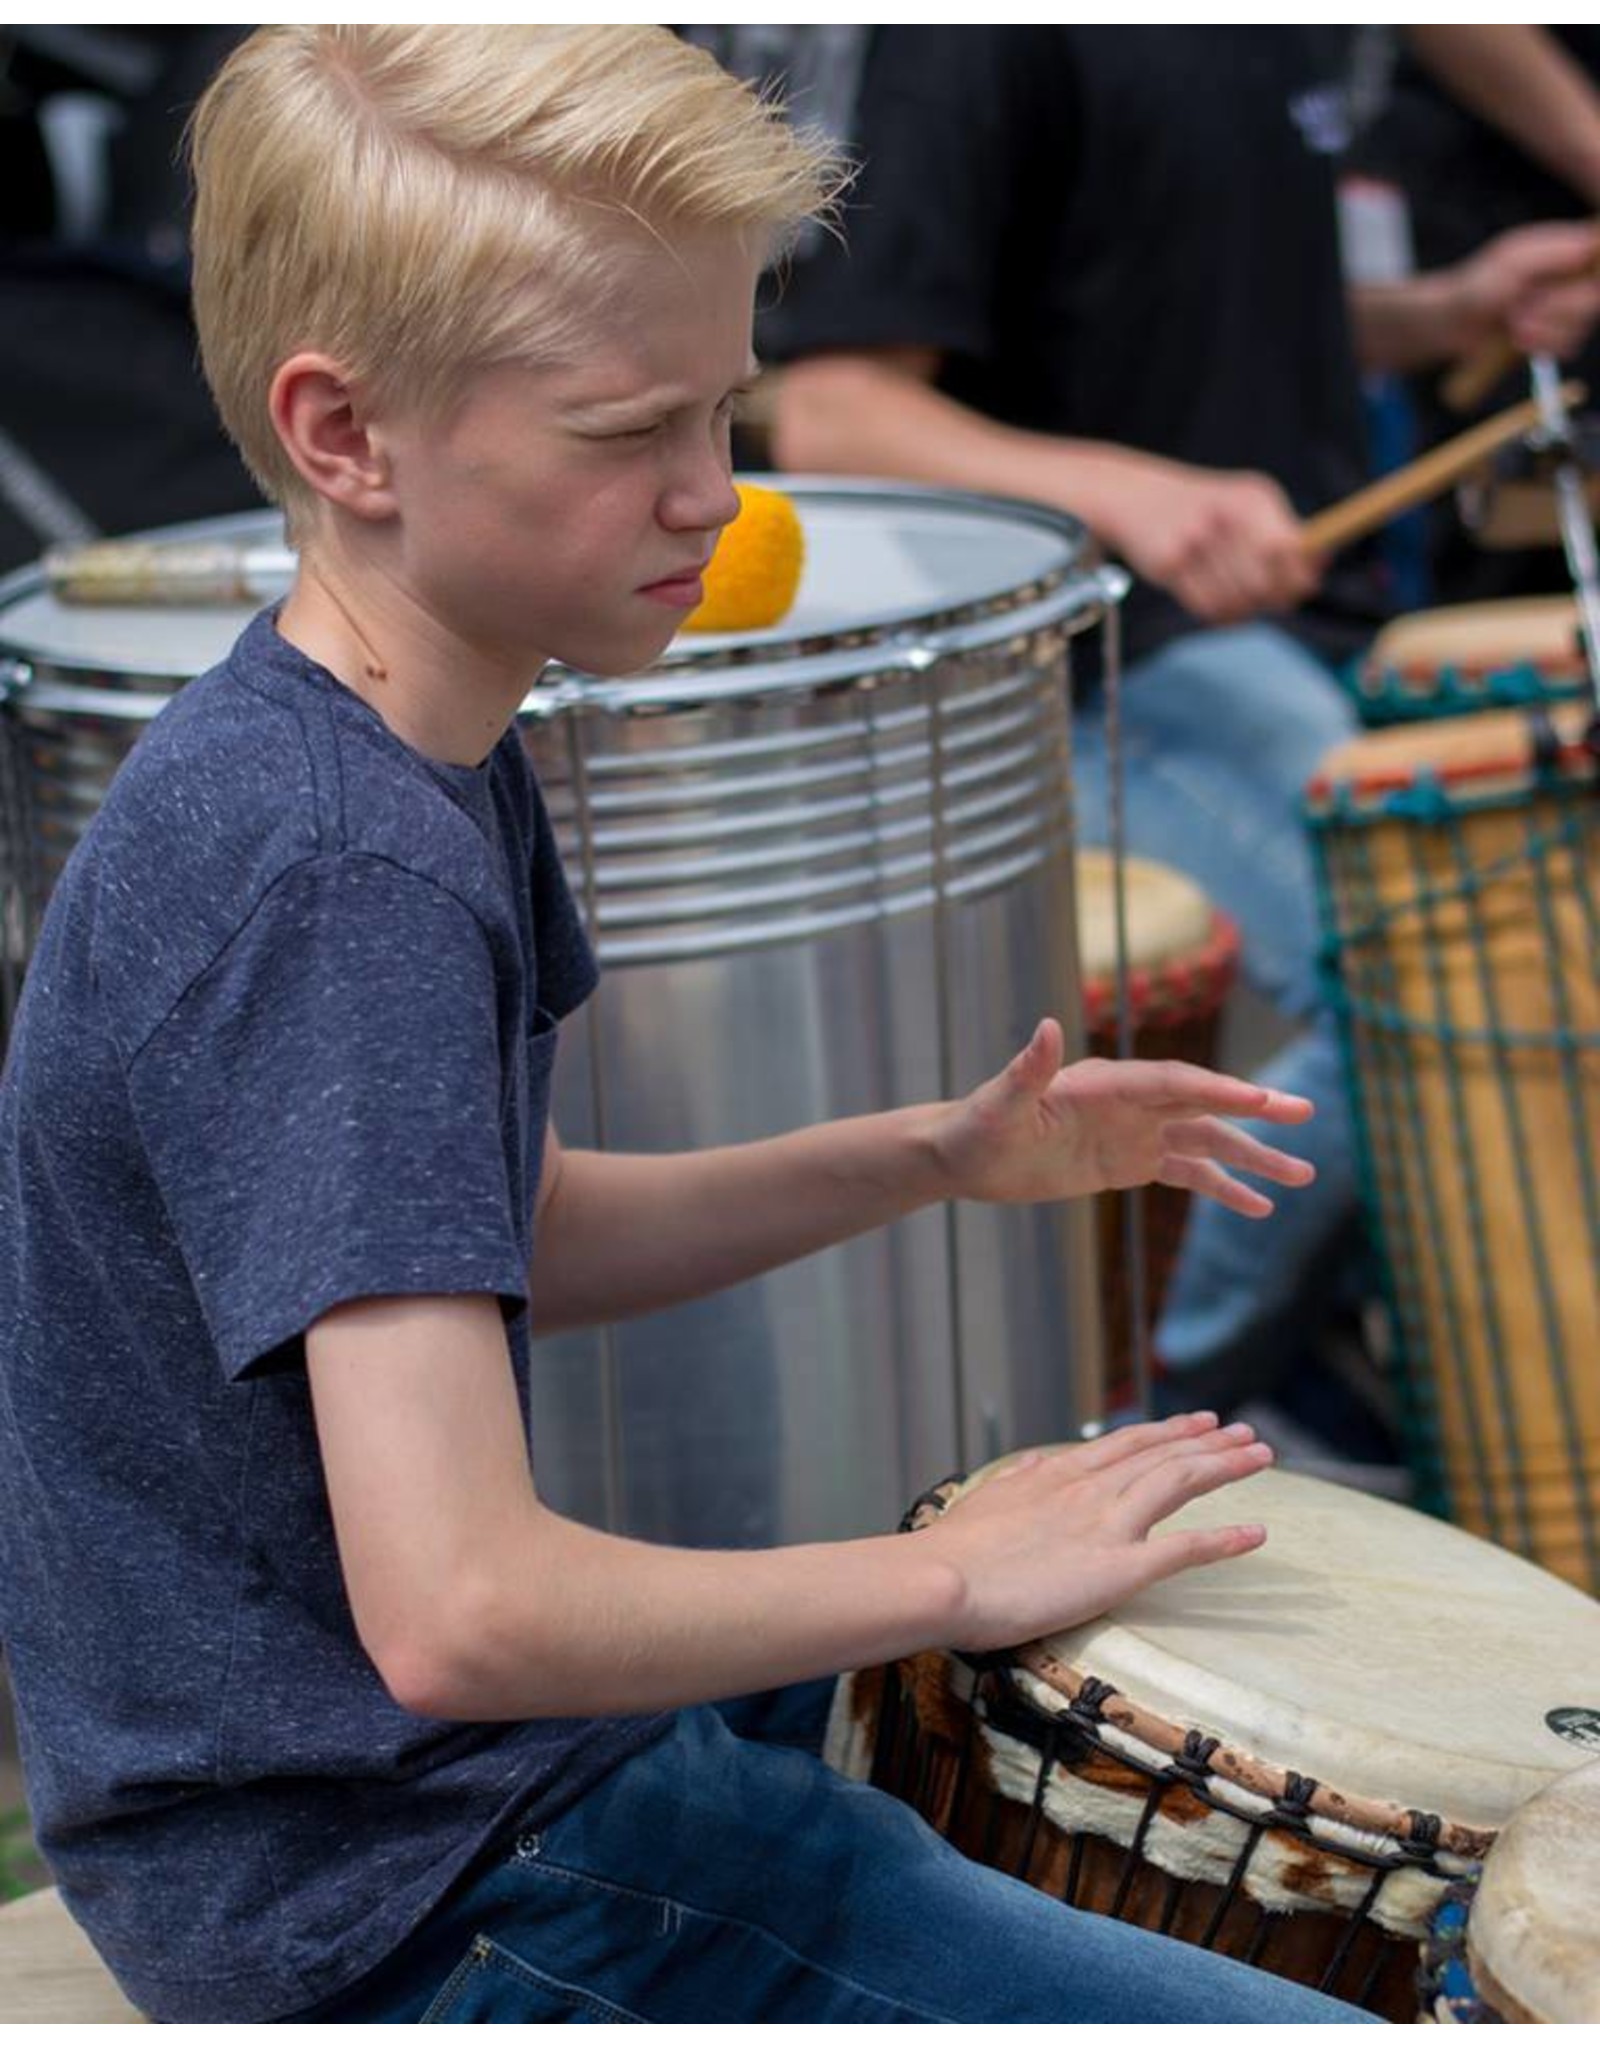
(1221, 732)
(712, 1878)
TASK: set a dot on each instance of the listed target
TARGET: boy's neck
(450, 701)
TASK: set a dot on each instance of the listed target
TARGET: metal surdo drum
(1521, 1940)
(1473, 657)
(1460, 881)
(1287, 1757)
(826, 868)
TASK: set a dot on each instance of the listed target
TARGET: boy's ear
(322, 426)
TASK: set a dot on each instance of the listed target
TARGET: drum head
(1386, 1655)
(1168, 916)
(1476, 638)
(878, 559)
(1534, 1936)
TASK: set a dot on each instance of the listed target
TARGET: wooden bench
(48, 1971)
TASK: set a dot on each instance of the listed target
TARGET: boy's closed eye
(725, 411)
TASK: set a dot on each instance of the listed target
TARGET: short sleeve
(324, 1110)
(920, 264)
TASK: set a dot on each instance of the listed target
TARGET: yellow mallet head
(755, 572)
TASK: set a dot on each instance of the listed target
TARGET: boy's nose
(701, 501)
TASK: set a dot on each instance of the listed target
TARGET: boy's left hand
(1040, 1131)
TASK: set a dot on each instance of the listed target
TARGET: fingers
(1038, 1063)
(1199, 1153)
(1556, 320)
(1187, 1549)
(1546, 250)
(1244, 573)
(1071, 1462)
(1174, 1088)
(1227, 544)
(1208, 1138)
(1151, 1458)
(1166, 1483)
(1205, 1177)
(1535, 282)
(1120, 1446)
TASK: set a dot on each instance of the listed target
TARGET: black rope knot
(1294, 1801)
(1091, 1699)
(1193, 1761)
(1421, 1840)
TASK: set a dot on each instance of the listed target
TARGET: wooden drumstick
(1475, 376)
(1375, 505)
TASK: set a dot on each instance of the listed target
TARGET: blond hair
(418, 202)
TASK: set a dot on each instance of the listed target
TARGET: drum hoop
(1566, 759)
(1230, 1779)
(1072, 595)
(1445, 673)
(1189, 985)
(1247, 1786)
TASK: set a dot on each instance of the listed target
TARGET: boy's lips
(682, 587)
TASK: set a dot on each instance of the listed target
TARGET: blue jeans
(714, 1878)
(1222, 730)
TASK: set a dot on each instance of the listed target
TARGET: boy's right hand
(1064, 1535)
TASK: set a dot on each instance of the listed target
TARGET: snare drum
(825, 866)
(1183, 955)
(1522, 1942)
(1460, 884)
(1473, 657)
(1286, 1757)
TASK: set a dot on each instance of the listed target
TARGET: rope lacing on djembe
(1452, 1296)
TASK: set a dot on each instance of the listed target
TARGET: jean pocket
(492, 1987)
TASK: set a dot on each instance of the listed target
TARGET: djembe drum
(1460, 881)
(1522, 1942)
(1287, 1757)
(1183, 955)
(1473, 657)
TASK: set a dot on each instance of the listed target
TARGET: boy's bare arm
(474, 1601)
(620, 1234)
(1226, 543)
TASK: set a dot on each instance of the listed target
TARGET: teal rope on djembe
(1461, 920)
(1388, 697)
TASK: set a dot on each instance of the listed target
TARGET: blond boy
(324, 1712)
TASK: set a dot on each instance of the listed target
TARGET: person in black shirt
(1099, 267)
(1489, 127)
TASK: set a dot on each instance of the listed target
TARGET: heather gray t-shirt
(286, 1042)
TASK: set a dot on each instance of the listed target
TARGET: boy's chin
(619, 653)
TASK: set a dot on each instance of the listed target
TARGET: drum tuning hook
(15, 676)
(1549, 444)
(917, 656)
(1099, 592)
